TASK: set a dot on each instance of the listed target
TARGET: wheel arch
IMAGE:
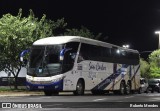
(123, 82)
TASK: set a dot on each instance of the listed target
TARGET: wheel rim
(128, 88)
(79, 88)
(122, 88)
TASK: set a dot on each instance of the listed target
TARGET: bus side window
(84, 53)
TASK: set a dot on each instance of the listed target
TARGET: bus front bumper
(57, 86)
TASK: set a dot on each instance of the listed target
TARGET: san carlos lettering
(97, 66)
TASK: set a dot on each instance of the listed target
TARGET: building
(6, 79)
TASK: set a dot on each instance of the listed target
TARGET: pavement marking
(40, 98)
(152, 100)
(129, 97)
(53, 105)
(154, 95)
(100, 99)
(155, 99)
(15, 97)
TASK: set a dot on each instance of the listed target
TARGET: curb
(14, 94)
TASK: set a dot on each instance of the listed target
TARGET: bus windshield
(44, 61)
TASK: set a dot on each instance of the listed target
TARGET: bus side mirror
(24, 61)
(62, 52)
(21, 59)
(61, 58)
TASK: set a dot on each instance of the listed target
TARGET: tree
(18, 33)
(154, 60)
(144, 69)
(84, 32)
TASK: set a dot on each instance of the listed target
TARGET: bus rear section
(101, 78)
(103, 68)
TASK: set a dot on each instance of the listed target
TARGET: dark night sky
(123, 21)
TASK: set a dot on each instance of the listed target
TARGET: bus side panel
(135, 78)
(70, 81)
(96, 72)
(132, 74)
(110, 80)
(120, 74)
(101, 80)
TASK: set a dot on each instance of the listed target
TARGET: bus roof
(65, 39)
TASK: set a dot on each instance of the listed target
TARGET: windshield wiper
(43, 61)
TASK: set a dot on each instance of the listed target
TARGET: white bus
(78, 64)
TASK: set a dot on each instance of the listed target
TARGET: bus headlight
(56, 80)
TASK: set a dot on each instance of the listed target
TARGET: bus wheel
(122, 88)
(128, 88)
(48, 93)
(79, 88)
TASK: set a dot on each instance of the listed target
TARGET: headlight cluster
(49, 81)
(38, 82)
(56, 80)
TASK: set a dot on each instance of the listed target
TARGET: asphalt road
(88, 102)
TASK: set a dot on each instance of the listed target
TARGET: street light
(126, 46)
(158, 32)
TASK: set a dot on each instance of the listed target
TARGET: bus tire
(122, 88)
(79, 88)
(128, 88)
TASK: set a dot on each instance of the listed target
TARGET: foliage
(84, 32)
(17, 33)
(144, 69)
(154, 60)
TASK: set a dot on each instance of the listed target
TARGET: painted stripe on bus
(102, 85)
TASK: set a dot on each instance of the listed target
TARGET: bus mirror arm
(62, 52)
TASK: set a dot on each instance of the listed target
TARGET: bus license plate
(40, 87)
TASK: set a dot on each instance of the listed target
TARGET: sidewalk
(14, 93)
